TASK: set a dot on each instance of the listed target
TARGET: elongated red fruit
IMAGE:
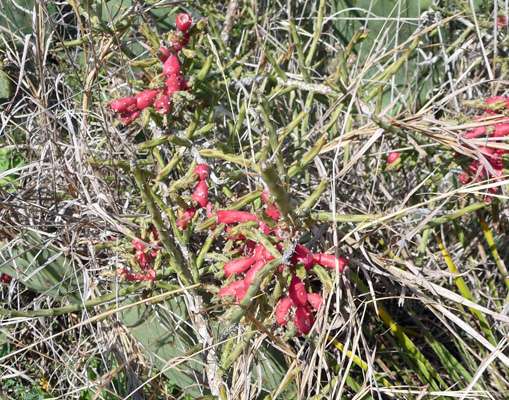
(143, 259)
(171, 65)
(315, 300)
(238, 266)
(231, 289)
(297, 291)
(173, 84)
(180, 41)
(201, 194)
(253, 271)
(162, 105)
(501, 129)
(138, 245)
(303, 319)
(145, 99)
(150, 274)
(123, 105)
(495, 98)
(328, 260)
(273, 212)
(241, 293)
(129, 117)
(164, 54)
(210, 208)
(233, 217)
(183, 22)
(203, 171)
(392, 157)
(472, 134)
(261, 253)
(187, 216)
(303, 255)
(264, 228)
(267, 197)
(282, 310)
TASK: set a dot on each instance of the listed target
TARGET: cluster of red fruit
(145, 257)
(476, 170)
(200, 197)
(130, 108)
(256, 256)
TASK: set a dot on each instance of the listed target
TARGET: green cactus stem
(281, 196)
(166, 241)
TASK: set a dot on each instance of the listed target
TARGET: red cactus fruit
(150, 274)
(501, 129)
(329, 260)
(163, 54)
(303, 255)
(173, 84)
(162, 105)
(124, 105)
(282, 233)
(495, 98)
(202, 170)
(6, 278)
(303, 320)
(238, 266)
(231, 289)
(178, 44)
(171, 65)
(138, 245)
(183, 22)
(392, 157)
(261, 253)
(145, 99)
(153, 252)
(232, 217)
(155, 233)
(143, 259)
(315, 300)
(464, 178)
(283, 309)
(209, 207)
(241, 293)
(267, 197)
(297, 291)
(501, 21)
(186, 217)
(264, 228)
(129, 117)
(474, 133)
(273, 212)
(201, 194)
(184, 85)
(253, 271)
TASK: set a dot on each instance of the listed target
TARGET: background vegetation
(319, 91)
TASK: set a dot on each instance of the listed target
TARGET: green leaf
(176, 352)
(394, 23)
(41, 267)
